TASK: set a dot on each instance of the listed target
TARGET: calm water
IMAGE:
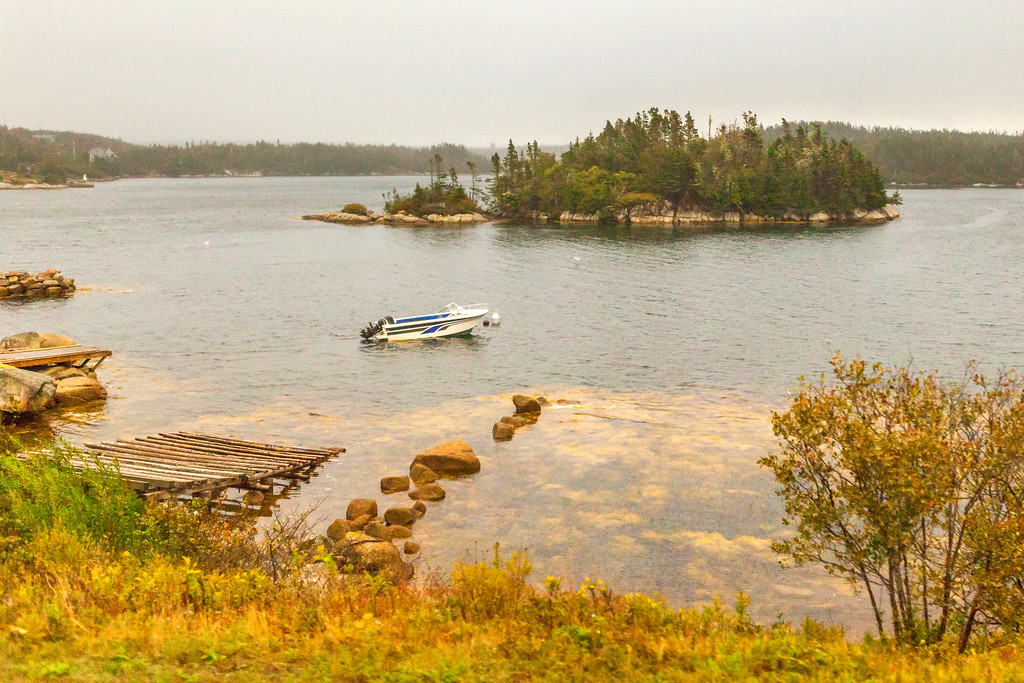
(227, 315)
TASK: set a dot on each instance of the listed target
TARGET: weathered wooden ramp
(77, 355)
(183, 463)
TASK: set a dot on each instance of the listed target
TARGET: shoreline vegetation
(100, 585)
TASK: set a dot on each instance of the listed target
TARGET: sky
(483, 72)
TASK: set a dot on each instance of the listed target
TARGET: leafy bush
(355, 208)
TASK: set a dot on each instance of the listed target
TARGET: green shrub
(355, 208)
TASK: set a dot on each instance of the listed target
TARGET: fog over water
(668, 347)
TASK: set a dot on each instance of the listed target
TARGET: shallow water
(674, 345)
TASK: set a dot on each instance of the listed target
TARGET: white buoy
(576, 261)
(495, 319)
(206, 243)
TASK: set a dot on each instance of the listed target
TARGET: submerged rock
(503, 431)
(431, 492)
(399, 532)
(394, 484)
(452, 459)
(78, 389)
(411, 547)
(514, 420)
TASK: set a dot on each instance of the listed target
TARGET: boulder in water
(22, 391)
(451, 459)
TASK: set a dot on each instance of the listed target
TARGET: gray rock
(24, 341)
(22, 391)
(514, 420)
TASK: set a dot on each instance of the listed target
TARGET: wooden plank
(191, 455)
(264, 446)
(134, 458)
(215, 451)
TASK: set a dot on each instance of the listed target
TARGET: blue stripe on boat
(430, 330)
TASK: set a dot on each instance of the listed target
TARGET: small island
(657, 169)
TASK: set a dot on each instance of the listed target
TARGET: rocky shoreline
(658, 213)
(663, 213)
(34, 391)
(400, 218)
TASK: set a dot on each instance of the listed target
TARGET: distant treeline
(55, 156)
(945, 158)
(661, 156)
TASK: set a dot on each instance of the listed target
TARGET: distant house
(101, 153)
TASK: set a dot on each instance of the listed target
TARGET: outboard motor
(372, 329)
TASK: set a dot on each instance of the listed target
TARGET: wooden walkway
(184, 463)
(77, 355)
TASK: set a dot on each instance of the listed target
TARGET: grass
(97, 586)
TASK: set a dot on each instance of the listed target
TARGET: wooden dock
(77, 355)
(184, 463)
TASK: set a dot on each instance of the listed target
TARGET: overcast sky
(418, 72)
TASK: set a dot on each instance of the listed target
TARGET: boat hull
(431, 327)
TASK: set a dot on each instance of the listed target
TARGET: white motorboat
(449, 321)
